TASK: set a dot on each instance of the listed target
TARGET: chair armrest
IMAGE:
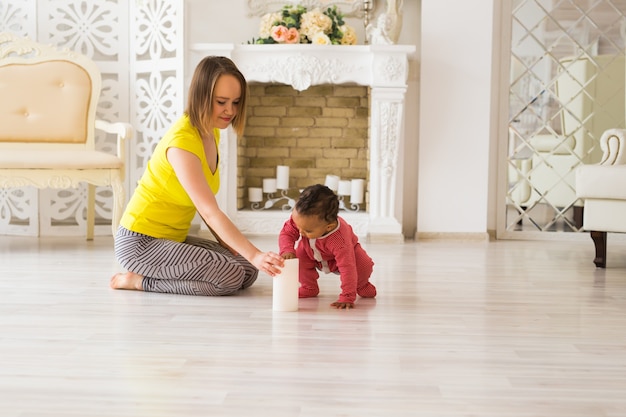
(124, 131)
(613, 144)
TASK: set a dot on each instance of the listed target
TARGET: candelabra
(353, 207)
(270, 186)
(368, 6)
(271, 201)
(347, 188)
(265, 198)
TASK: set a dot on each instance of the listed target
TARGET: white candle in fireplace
(357, 190)
(269, 185)
(282, 177)
(344, 187)
(255, 194)
(332, 182)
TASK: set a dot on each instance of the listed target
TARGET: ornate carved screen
(566, 88)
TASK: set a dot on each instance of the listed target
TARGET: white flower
(349, 35)
(267, 22)
(320, 38)
(314, 22)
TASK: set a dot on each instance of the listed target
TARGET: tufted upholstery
(48, 100)
(60, 102)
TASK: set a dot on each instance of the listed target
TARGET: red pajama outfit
(339, 251)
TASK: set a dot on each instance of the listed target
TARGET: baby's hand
(341, 306)
(288, 255)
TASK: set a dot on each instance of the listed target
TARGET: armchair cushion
(55, 159)
(601, 181)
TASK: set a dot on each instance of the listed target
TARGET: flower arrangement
(296, 24)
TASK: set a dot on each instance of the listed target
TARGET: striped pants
(194, 267)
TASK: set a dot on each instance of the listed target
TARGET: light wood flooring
(459, 328)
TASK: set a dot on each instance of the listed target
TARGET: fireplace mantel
(384, 68)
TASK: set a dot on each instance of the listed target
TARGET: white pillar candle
(344, 187)
(285, 287)
(255, 194)
(332, 182)
(357, 190)
(282, 177)
(269, 185)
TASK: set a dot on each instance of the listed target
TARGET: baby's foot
(367, 291)
(126, 281)
(305, 292)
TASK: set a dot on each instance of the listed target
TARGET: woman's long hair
(201, 90)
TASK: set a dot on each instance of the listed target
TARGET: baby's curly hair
(318, 200)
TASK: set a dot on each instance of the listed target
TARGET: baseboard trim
(453, 236)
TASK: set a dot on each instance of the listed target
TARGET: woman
(181, 178)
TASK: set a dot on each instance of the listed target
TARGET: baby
(327, 243)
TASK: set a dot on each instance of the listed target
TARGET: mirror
(566, 88)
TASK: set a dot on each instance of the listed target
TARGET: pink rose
(279, 33)
(292, 36)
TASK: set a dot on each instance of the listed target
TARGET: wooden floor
(504, 328)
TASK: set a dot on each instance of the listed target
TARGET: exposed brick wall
(322, 130)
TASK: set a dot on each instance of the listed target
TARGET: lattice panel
(157, 70)
(567, 87)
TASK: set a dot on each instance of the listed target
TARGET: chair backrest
(592, 93)
(48, 95)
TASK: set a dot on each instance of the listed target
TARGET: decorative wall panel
(566, 88)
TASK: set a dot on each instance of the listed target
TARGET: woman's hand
(269, 262)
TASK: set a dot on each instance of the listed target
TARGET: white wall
(210, 21)
(455, 117)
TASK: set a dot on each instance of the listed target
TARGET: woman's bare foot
(126, 281)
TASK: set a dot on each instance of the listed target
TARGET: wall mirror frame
(563, 77)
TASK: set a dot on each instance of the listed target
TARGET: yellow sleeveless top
(160, 207)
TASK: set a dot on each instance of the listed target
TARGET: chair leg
(578, 216)
(599, 240)
(119, 197)
(91, 210)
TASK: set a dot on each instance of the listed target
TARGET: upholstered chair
(48, 101)
(602, 188)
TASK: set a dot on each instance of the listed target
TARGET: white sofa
(602, 187)
(48, 100)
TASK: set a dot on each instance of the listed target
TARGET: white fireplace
(384, 68)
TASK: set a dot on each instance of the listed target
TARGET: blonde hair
(201, 90)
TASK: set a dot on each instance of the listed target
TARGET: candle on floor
(255, 194)
(332, 182)
(285, 287)
(357, 190)
(344, 187)
(282, 177)
(269, 185)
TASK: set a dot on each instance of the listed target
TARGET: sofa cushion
(601, 181)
